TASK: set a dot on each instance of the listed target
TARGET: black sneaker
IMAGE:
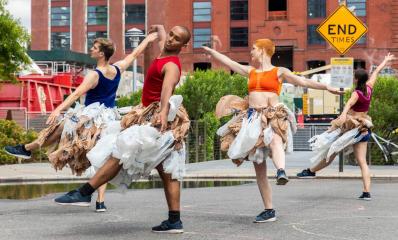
(168, 227)
(100, 207)
(267, 215)
(18, 151)
(74, 198)
(306, 173)
(281, 178)
(365, 196)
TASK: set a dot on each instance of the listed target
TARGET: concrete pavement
(324, 209)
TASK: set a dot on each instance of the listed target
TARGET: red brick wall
(381, 38)
(116, 8)
(40, 25)
(78, 27)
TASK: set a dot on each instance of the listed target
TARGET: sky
(20, 9)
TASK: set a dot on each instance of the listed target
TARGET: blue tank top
(105, 91)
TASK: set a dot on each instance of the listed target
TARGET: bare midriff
(259, 100)
(357, 114)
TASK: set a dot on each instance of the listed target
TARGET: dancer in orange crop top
(266, 81)
(264, 85)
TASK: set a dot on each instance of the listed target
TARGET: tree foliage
(13, 41)
(11, 134)
(202, 90)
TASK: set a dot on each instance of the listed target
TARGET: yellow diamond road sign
(342, 29)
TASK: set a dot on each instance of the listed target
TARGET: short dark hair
(106, 46)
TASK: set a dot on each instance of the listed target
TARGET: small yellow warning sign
(342, 29)
(305, 103)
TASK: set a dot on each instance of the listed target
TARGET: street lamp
(134, 35)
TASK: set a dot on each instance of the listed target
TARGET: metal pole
(134, 75)
(341, 156)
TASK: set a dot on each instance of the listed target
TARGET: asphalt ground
(306, 209)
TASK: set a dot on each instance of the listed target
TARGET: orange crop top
(266, 81)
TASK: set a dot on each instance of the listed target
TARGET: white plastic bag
(175, 164)
(224, 129)
(321, 143)
(175, 103)
(347, 139)
(102, 150)
(246, 138)
(257, 156)
(268, 135)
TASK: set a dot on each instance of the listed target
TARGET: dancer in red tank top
(153, 133)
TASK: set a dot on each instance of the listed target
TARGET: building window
(362, 40)
(239, 37)
(91, 36)
(312, 64)
(135, 13)
(202, 11)
(60, 40)
(316, 8)
(201, 36)
(203, 66)
(313, 37)
(277, 5)
(128, 43)
(360, 7)
(359, 63)
(60, 16)
(239, 9)
(97, 15)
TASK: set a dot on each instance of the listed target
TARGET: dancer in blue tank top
(74, 133)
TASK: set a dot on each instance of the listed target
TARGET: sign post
(342, 29)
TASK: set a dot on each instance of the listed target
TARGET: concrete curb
(190, 177)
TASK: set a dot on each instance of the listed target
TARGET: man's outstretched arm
(128, 60)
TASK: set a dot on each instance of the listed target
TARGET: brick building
(231, 26)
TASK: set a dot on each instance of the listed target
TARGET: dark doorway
(283, 57)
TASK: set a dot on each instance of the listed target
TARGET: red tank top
(154, 79)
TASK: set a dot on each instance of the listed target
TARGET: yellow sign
(342, 29)
(305, 104)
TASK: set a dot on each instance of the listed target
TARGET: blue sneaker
(74, 198)
(267, 215)
(168, 227)
(306, 173)
(18, 151)
(100, 207)
(281, 178)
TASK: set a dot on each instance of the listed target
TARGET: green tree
(132, 100)
(202, 90)
(13, 41)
